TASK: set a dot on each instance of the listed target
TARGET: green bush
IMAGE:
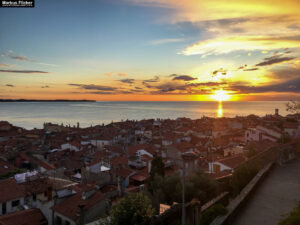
(241, 177)
(211, 213)
(293, 218)
(12, 173)
(134, 209)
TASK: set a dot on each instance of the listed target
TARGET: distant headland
(38, 100)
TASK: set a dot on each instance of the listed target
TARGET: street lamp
(186, 156)
(183, 193)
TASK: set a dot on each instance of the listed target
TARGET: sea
(31, 115)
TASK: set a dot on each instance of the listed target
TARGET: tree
(250, 152)
(134, 209)
(211, 213)
(242, 176)
(293, 106)
(201, 186)
(157, 167)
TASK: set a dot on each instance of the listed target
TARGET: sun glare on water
(221, 95)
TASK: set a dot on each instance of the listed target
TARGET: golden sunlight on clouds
(221, 95)
(195, 10)
(247, 43)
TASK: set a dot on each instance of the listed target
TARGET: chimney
(276, 112)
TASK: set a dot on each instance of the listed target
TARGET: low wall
(238, 202)
(193, 211)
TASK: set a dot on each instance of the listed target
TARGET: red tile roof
(37, 186)
(24, 217)
(124, 172)
(9, 190)
(83, 187)
(184, 146)
(140, 177)
(233, 161)
(109, 188)
(133, 149)
(69, 207)
(119, 160)
(46, 165)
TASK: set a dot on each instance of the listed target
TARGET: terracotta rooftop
(133, 149)
(24, 217)
(10, 189)
(124, 172)
(232, 162)
(37, 186)
(69, 207)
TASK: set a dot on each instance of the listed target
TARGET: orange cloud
(195, 10)
(248, 43)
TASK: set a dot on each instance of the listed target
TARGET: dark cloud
(232, 25)
(183, 89)
(153, 80)
(274, 60)
(22, 71)
(288, 86)
(221, 70)
(184, 78)
(16, 57)
(100, 92)
(10, 85)
(285, 74)
(283, 38)
(250, 69)
(189, 92)
(94, 87)
(21, 58)
(128, 81)
(205, 84)
(242, 67)
(46, 86)
(108, 92)
(138, 88)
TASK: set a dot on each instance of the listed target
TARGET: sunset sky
(184, 50)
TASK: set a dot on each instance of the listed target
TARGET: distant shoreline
(35, 100)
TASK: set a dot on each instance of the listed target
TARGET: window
(67, 223)
(58, 221)
(15, 203)
(3, 208)
(216, 168)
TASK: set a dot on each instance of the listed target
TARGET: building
(81, 208)
(28, 216)
(12, 196)
(226, 164)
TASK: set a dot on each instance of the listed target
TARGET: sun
(221, 95)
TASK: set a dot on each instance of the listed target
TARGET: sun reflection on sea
(220, 109)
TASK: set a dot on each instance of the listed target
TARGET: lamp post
(183, 193)
(186, 157)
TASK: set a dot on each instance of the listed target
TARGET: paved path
(276, 196)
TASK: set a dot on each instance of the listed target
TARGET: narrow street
(274, 198)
